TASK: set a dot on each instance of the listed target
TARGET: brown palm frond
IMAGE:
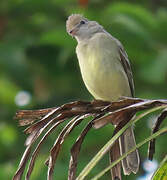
(160, 119)
(118, 113)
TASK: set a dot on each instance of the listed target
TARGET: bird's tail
(127, 142)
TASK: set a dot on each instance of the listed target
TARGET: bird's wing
(123, 57)
(127, 67)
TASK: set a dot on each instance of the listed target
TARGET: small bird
(107, 74)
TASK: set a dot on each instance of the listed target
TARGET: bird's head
(81, 28)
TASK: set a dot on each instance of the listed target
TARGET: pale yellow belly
(101, 69)
(105, 81)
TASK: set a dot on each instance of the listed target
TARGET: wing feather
(126, 65)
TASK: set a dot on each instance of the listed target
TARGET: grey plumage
(107, 74)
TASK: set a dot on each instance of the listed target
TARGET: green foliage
(110, 143)
(161, 173)
(38, 56)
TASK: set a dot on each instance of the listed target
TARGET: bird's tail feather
(127, 142)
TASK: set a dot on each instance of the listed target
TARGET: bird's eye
(82, 22)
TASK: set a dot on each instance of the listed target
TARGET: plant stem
(161, 131)
(109, 144)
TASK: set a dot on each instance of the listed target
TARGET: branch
(38, 121)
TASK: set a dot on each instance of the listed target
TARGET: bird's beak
(73, 31)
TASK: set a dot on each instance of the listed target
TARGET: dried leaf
(29, 116)
(37, 149)
(22, 164)
(37, 132)
(117, 116)
(114, 154)
(56, 148)
(151, 149)
(119, 113)
(52, 114)
(75, 152)
(84, 173)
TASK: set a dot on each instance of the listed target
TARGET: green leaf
(137, 12)
(57, 37)
(109, 144)
(161, 173)
(159, 64)
(163, 130)
(8, 91)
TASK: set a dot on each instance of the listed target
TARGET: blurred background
(39, 69)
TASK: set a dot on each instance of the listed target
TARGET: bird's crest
(73, 20)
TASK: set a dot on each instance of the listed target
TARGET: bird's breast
(102, 72)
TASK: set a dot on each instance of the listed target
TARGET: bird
(107, 74)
